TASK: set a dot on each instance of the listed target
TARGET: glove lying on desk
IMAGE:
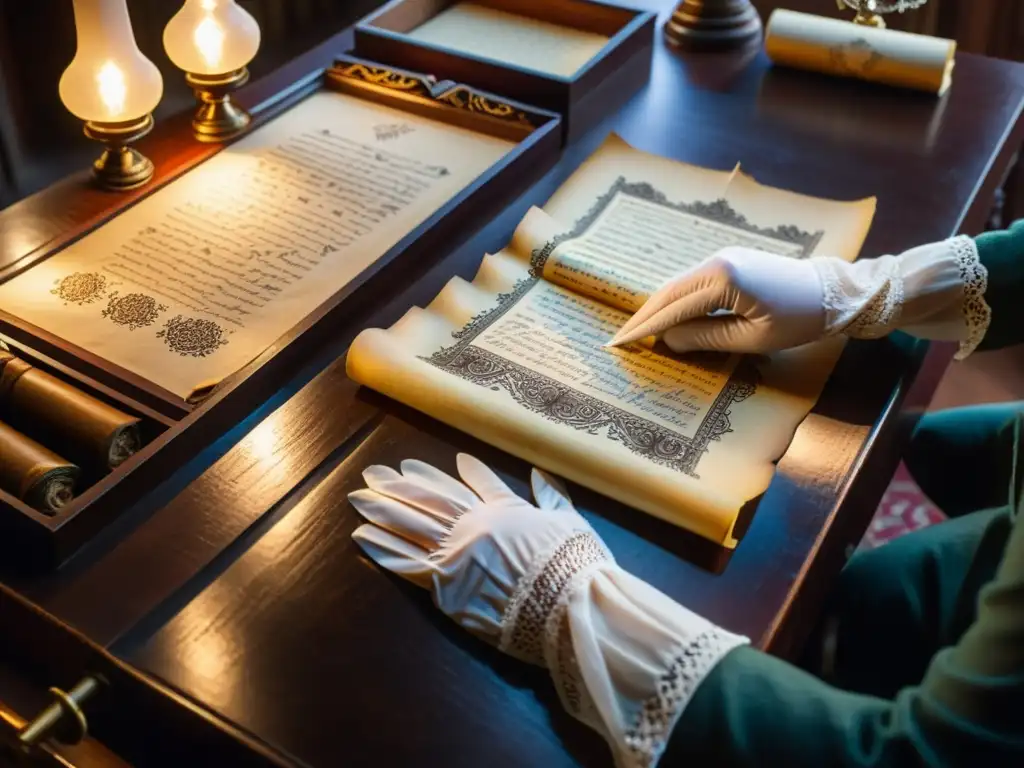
(538, 582)
(775, 302)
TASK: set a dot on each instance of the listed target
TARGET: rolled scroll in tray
(34, 473)
(92, 433)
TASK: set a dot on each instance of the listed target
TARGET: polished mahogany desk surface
(237, 582)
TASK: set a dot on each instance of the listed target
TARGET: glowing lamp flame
(209, 5)
(209, 39)
(113, 90)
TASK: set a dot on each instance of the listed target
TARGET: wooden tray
(176, 430)
(385, 36)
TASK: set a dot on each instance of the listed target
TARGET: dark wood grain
(352, 627)
(287, 632)
(441, 689)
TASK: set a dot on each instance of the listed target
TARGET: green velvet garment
(1002, 253)
(928, 668)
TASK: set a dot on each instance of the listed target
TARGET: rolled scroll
(845, 49)
(88, 430)
(33, 473)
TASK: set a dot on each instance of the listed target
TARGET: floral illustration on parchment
(133, 310)
(80, 288)
(192, 336)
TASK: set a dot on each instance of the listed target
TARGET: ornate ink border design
(562, 404)
(718, 211)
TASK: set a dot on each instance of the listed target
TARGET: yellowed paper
(511, 39)
(202, 276)
(836, 47)
(516, 358)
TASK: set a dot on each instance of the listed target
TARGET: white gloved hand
(773, 302)
(747, 301)
(538, 582)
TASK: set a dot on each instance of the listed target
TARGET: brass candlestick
(713, 25)
(121, 167)
(218, 117)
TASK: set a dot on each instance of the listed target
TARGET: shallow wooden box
(175, 430)
(625, 59)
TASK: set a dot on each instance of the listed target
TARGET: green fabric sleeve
(1002, 254)
(755, 710)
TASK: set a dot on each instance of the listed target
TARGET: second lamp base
(713, 25)
(218, 118)
(120, 167)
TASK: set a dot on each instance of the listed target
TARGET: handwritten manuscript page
(516, 357)
(203, 275)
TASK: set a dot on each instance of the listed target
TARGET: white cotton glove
(538, 582)
(747, 301)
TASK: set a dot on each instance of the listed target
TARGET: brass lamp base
(120, 167)
(218, 118)
(713, 25)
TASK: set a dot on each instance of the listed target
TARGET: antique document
(511, 39)
(202, 276)
(517, 356)
(836, 47)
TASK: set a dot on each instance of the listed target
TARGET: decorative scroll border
(718, 211)
(428, 87)
(564, 405)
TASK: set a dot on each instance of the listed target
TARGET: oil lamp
(213, 41)
(112, 87)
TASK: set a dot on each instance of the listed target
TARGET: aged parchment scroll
(516, 357)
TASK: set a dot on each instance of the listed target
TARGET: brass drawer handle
(63, 719)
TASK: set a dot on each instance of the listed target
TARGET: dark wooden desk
(237, 584)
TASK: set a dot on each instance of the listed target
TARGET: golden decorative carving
(387, 78)
(461, 97)
(428, 87)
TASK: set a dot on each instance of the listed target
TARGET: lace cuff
(694, 660)
(934, 292)
(974, 277)
(523, 625)
(646, 724)
(625, 659)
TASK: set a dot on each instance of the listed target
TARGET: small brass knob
(63, 719)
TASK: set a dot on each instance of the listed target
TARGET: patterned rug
(904, 508)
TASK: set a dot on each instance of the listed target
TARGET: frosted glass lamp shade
(109, 80)
(211, 37)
